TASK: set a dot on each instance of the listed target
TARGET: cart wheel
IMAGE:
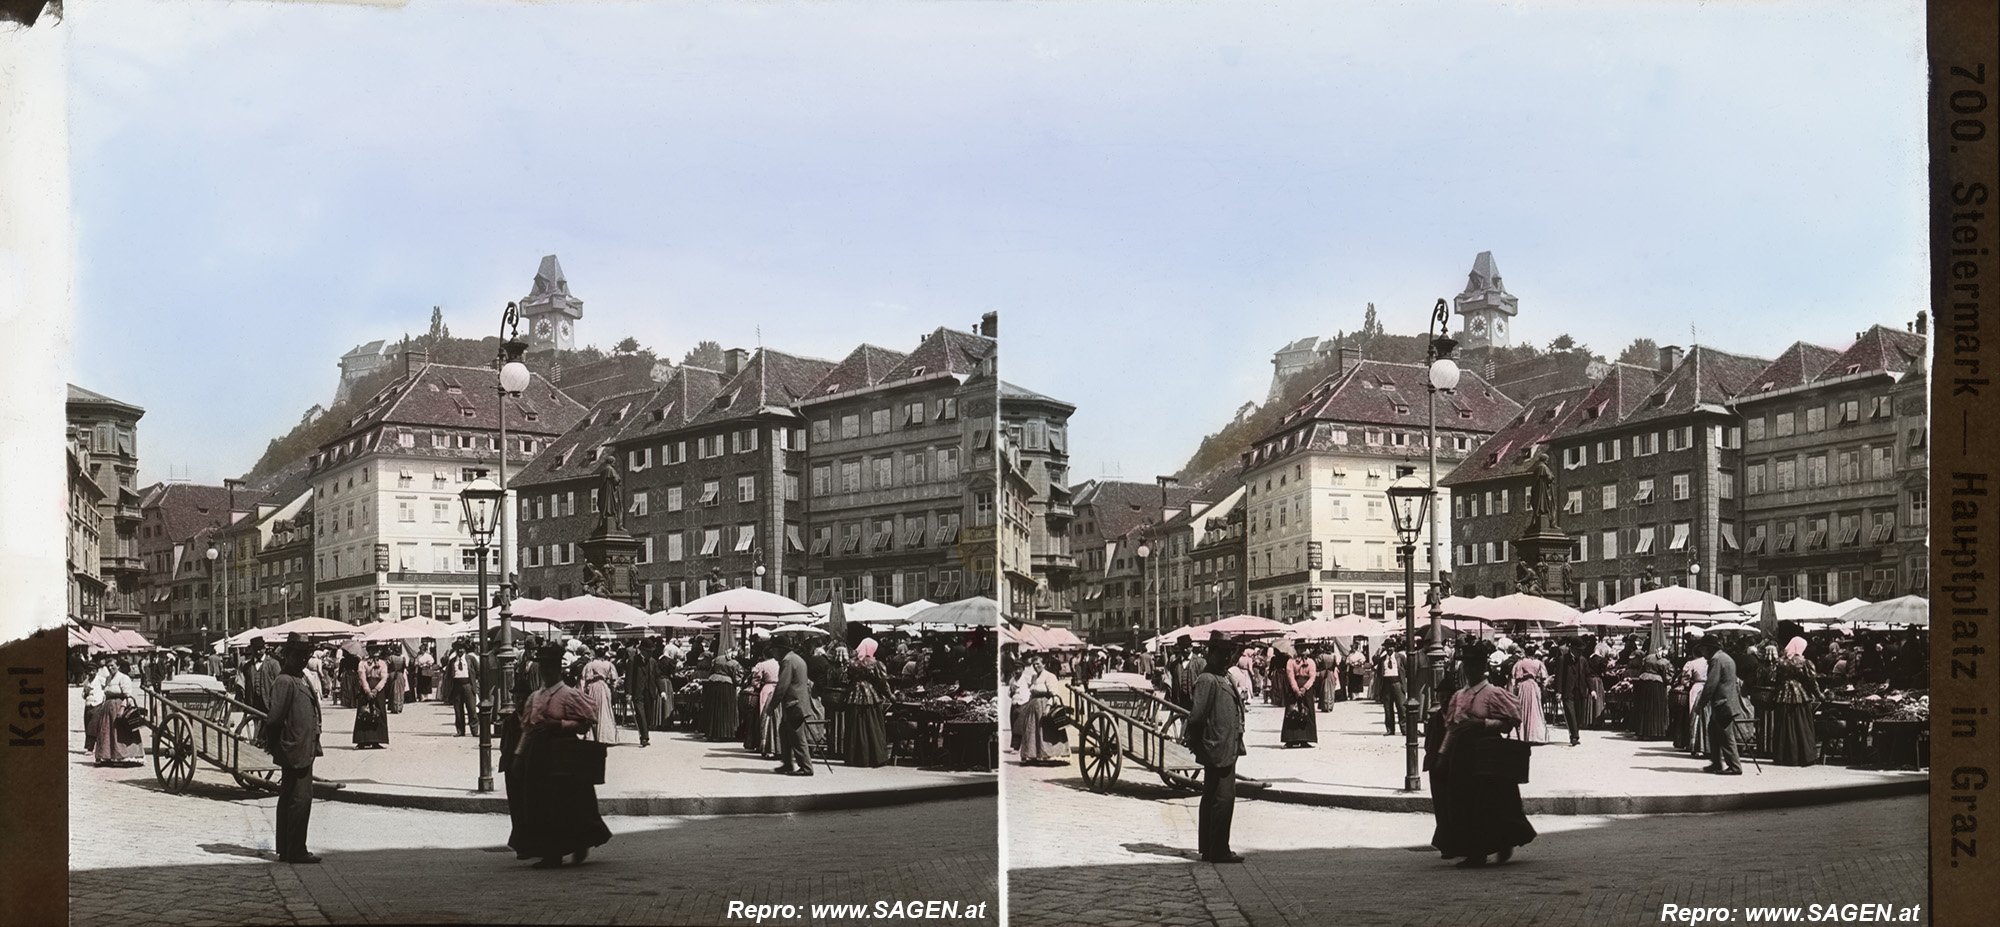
(265, 780)
(173, 753)
(1097, 754)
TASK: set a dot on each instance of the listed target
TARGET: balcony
(1061, 510)
(1053, 563)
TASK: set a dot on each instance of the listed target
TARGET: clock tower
(1488, 308)
(549, 313)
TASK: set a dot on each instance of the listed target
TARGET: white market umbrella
(1804, 611)
(752, 605)
(1897, 612)
(1676, 600)
(798, 629)
(1842, 608)
(309, 626)
(1531, 609)
(583, 609)
(866, 611)
(976, 612)
(418, 628)
(1728, 626)
(908, 609)
(1341, 627)
(668, 621)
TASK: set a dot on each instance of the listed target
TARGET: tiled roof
(1707, 377)
(1510, 451)
(370, 349)
(1121, 507)
(1381, 393)
(286, 484)
(187, 509)
(1882, 349)
(78, 394)
(444, 396)
(863, 367)
(946, 350)
(771, 380)
(1010, 391)
(569, 456)
(677, 404)
(1798, 365)
(1622, 391)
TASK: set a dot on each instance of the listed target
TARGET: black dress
(1301, 721)
(1477, 814)
(555, 808)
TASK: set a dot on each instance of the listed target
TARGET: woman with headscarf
(1036, 744)
(371, 702)
(718, 697)
(600, 679)
(1301, 724)
(553, 789)
(761, 733)
(1795, 689)
(114, 738)
(867, 693)
(1530, 681)
(1479, 812)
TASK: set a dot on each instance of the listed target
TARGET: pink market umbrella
(1243, 626)
(1343, 627)
(418, 628)
(1060, 639)
(309, 626)
(583, 609)
(1529, 609)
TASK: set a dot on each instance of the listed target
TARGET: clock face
(1478, 325)
(1500, 326)
(565, 329)
(542, 327)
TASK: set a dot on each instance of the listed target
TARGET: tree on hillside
(1642, 351)
(1371, 325)
(707, 355)
(1561, 343)
(439, 331)
(628, 345)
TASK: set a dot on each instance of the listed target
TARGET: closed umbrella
(836, 619)
(1767, 618)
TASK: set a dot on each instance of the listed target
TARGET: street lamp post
(214, 553)
(1409, 502)
(482, 500)
(1443, 378)
(1217, 590)
(285, 602)
(513, 379)
(1145, 553)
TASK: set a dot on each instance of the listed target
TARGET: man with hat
(795, 707)
(461, 675)
(1215, 735)
(291, 734)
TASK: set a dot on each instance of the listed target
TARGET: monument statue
(611, 496)
(1526, 578)
(596, 580)
(1544, 502)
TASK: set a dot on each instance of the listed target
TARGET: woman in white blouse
(112, 746)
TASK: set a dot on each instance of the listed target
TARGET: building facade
(1113, 519)
(106, 433)
(1218, 561)
(1836, 471)
(83, 506)
(1319, 537)
(389, 535)
(1037, 427)
(1492, 496)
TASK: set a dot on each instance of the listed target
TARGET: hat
(549, 653)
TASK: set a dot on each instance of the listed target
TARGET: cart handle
(221, 696)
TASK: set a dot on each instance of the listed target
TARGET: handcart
(1116, 721)
(194, 719)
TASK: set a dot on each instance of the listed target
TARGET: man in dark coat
(642, 681)
(1572, 682)
(292, 737)
(795, 708)
(1722, 693)
(1215, 735)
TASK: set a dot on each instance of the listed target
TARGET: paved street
(1078, 857)
(141, 856)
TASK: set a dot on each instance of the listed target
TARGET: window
(1572, 458)
(1788, 538)
(913, 413)
(1816, 419)
(1817, 536)
(406, 511)
(639, 459)
(1610, 497)
(878, 422)
(746, 536)
(850, 476)
(1787, 475)
(1850, 531)
(673, 498)
(822, 479)
(1725, 484)
(441, 513)
(1884, 529)
(1849, 470)
(1881, 463)
(982, 508)
(1573, 505)
(1645, 491)
(822, 541)
(822, 430)
(676, 546)
(1645, 545)
(947, 409)
(1756, 541)
(1610, 548)
(1849, 411)
(850, 426)
(1816, 470)
(1916, 437)
(850, 538)
(1579, 548)
(409, 603)
(1728, 533)
(640, 504)
(746, 489)
(882, 472)
(1683, 486)
(745, 441)
(711, 541)
(1878, 407)
(791, 487)
(1920, 507)
(1783, 428)
(915, 530)
(947, 464)
(1682, 532)
(711, 492)
(1755, 427)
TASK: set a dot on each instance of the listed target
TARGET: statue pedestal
(1546, 554)
(617, 555)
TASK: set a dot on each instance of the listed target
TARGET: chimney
(734, 360)
(1923, 321)
(1350, 358)
(989, 325)
(414, 359)
(1670, 357)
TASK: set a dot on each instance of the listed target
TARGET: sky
(1154, 196)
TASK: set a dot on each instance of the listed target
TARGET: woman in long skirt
(1301, 725)
(1478, 814)
(1694, 674)
(114, 745)
(1036, 744)
(371, 708)
(760, 733)
(555, 802)
(1531, 679)
(867, 693)
(600, 677)
(1594, 706)
(1651, 689)
(718, 699)
(1793, 742)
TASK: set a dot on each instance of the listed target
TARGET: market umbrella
(418, 628)
(1060, 639)
(1729, 626)
(1897, 612)
(1165, 639)
(978, 611)
(1344, 626)
(866, 611)
(668, 621)
(836, 619)
(132, 640)
(908, 609)
(309, 626)
(1802, 611)
(797, 629)
(1599, 618)
(1767, 618)
(1243, 626)
(1529, 609)
(1840, 609)
(744, 603)
(583, 609)
(1676, 600)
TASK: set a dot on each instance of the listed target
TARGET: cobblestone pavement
(139, 855)
(1127, 858)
